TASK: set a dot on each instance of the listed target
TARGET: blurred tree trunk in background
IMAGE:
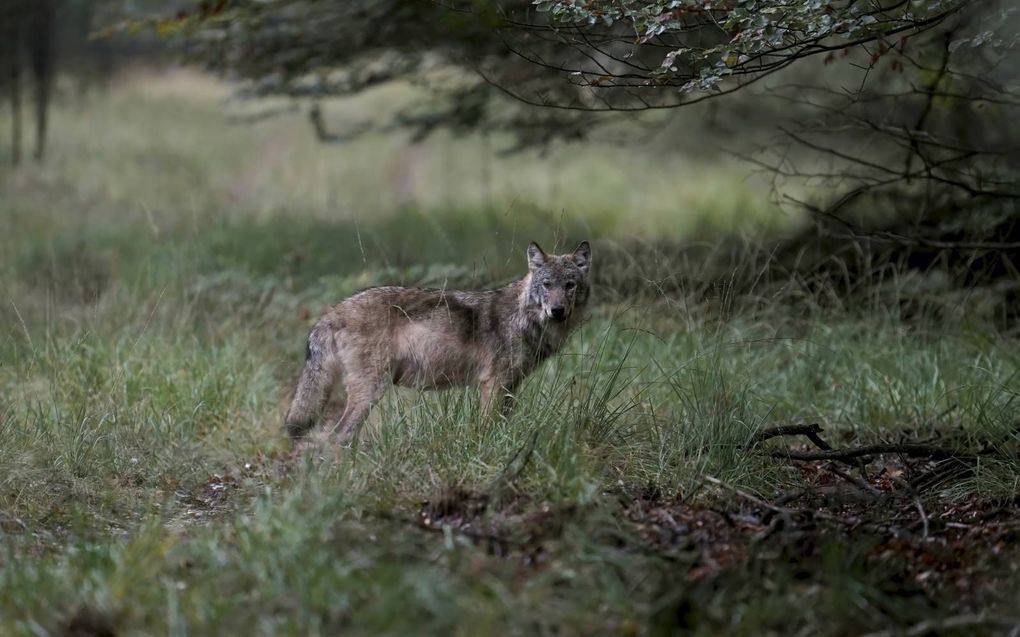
(26, 42)
(10, 79)
(36, 34)
(40, 55)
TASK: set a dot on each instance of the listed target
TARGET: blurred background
(896, 142)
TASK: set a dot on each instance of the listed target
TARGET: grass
(159, 277)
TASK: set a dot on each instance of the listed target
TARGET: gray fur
(437, 339)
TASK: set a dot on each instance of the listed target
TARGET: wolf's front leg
(498, 397)
(362, 394)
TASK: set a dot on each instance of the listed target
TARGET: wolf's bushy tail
(313, 387)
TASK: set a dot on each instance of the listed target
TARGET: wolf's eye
(546, 284)
(570, 285)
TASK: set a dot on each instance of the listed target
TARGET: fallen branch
(784, 513)
(854, 480)
(904, 449)
(810, 431)
(826, 452)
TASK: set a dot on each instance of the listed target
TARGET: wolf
(436, 339)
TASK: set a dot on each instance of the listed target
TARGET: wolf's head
(559, 282)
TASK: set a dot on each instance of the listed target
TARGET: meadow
(160, 272)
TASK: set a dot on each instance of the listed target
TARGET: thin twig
(785, 513)
(857, 482)
(924, 518)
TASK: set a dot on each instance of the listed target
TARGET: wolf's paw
(323, 444)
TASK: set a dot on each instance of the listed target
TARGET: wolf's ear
(536, 257)
(582, 256)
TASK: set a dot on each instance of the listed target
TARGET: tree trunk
(41, 57)
(14, 86)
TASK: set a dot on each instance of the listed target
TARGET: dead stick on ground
(857, 482)
(826, 452)
(811, 431)
(904, 449)
(924, 518)
(785, 513)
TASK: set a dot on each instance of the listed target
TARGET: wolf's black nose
(558, 313)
